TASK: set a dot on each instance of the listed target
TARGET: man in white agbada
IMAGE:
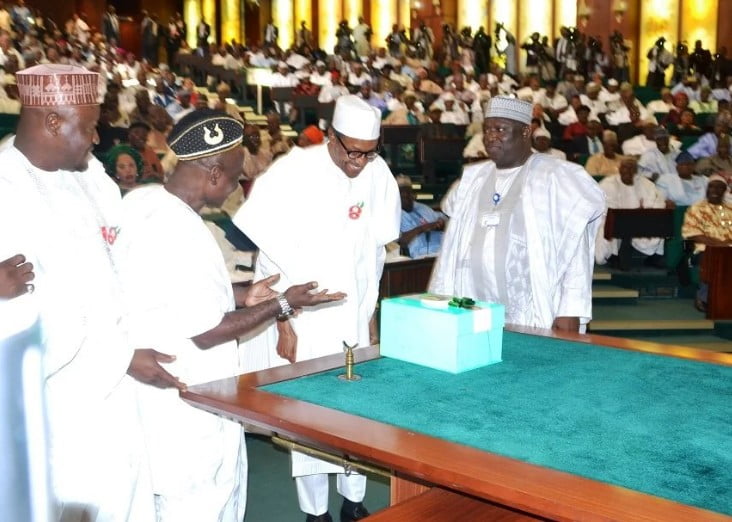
(522, 228)
(325, 213)
(70, 221)
(683, 186)
(659, 160)
(630, 190)
(197, 460)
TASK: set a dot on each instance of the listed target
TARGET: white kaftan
(641, 194)
(539, 239)
(313, 223)
(653, 161)
(66, 223)
(681, 191)
(176, 286)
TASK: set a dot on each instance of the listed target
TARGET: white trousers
(312, 490)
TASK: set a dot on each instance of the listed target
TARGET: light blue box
(445, 338)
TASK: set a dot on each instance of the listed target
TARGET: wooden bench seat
(440, 505)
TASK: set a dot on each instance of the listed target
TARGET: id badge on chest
(489, 219)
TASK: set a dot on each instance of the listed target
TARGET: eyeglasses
(358, 154)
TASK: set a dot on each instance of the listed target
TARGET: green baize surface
(655, 424)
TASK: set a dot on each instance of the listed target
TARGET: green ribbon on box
(461, 302)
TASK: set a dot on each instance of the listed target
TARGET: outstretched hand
(145, 367)
(261, 291)
(15, 277)
(301, 295)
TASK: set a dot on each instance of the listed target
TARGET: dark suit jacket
(202, 40)
(110, 31)
(148, 38)
(579, 147)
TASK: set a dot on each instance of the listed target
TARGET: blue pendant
(496, 198)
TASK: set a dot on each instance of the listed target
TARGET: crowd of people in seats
(323, 211)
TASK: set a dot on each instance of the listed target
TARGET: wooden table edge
(535, 489)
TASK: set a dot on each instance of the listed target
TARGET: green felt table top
(654, 424)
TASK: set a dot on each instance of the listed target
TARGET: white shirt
(321, 79)
(192, 453)
(327, 228)
(96, 444)
(283, 80)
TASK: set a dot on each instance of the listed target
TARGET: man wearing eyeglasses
(325, 213)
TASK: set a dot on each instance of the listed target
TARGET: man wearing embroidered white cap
(324, 213)
(70, 210)
(543, 143)
(522, 228)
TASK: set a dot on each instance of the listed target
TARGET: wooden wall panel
(724, 26)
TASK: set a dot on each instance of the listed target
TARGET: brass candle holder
(349, 375)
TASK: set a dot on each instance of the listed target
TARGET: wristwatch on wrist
(286, 309)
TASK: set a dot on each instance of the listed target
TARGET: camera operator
(659, 58)
(681, 63)
(621, 66)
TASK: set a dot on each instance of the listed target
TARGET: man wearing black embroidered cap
(179, 295)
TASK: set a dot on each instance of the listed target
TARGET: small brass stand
(349, 375)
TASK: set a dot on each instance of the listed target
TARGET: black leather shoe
(325, 517)
(351, 511)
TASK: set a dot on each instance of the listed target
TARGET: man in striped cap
(522, 228)
(179, 298)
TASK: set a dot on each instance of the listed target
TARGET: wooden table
(419, 461)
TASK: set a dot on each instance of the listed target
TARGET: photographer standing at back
(659, 58)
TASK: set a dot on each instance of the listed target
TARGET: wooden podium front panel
(716, 269)
(639, 222)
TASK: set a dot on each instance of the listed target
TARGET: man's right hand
(15, 277)
(145, 367)
(301, 295)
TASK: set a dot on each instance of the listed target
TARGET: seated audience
(542, 141)
(637, 145)
(124, 164)
(708, 223)
(224, 103)
(421, 227)
(607, 162)
(721, 162)
(684, 187)
(659, 160)
(475, 149)
(137, 135)
(408, 114)
(589, 144)
(706, 146)
(705, 104)
(629, 190)
(579, 127)
(273, 141)
(310, 135)
(664, 105)
(680, 103)
(686, 125)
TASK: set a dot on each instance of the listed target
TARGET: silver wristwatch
(286, 309)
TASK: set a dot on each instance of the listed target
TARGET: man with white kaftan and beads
(179, 297)
(62, 212)
(326, 213)
(522, 228)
